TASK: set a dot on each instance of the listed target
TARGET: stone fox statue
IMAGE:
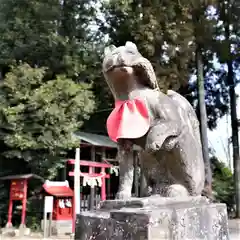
(163, 125)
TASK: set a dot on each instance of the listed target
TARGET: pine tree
(228, 53)
(198, 20)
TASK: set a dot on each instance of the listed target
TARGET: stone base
(14, 232)
(154, 218)
(58, 227)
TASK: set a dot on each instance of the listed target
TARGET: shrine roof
(98, 140)
(22, 176)
(95, 139)
(58, 191)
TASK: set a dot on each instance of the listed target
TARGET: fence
(86, 200)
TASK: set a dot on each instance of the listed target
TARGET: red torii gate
(93, 141)
(91, 173)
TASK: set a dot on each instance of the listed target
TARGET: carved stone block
(154, 219)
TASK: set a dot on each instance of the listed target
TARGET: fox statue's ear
(109, 49)
(131, 46)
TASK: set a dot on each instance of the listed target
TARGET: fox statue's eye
(109, 64)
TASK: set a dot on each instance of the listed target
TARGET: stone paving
(235, 236)
(234, 229)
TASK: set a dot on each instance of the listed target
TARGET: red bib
(129, 119)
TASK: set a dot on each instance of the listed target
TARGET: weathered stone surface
(58, 227)
(152, 201)
(168, 135)
(14, 232)
(142, 220)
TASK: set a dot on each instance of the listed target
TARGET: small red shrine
(62, 199)
(18, 192)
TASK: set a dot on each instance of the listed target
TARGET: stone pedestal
(58, 227)
(154, 218)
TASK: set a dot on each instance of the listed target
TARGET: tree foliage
(167, 32)
(223, 184)
(46, 34)
(53, 38)
(38, 117)
(29, 31)
(161, 31)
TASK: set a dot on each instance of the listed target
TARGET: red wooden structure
(102, 151)
(98, 145)
(18, 192)
(62, 199)
(92, 173)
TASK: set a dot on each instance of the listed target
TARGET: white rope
(92, 181)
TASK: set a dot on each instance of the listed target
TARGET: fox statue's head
(124, 66)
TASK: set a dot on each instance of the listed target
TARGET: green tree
(29, 31)
(161, 31)
(223, 184)
(200, 26)
(228, 53)
(43, 33)
(38, 117)
(165, 33)
(56, 40)
(178, 39)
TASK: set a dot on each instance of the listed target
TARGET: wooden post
(76, 188)
(143, 181)
(136, 175)
(10, 208)
(105, 189)
(64, 173)
(44, 225)
(91, 170)
(48, 208)
(24, 203)
(50, 224)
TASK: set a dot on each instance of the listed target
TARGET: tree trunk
(68, 19)
(234, 120)
(225, 10)
(203, 122)
(235, 141)
(197, 16)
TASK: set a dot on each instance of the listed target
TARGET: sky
(218, 138)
